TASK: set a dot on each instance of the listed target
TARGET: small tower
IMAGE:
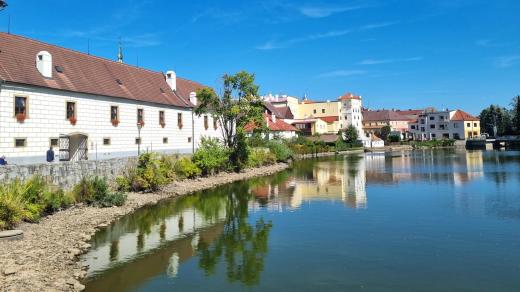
(120, 52)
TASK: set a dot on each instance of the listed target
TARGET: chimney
(273, 118)
(171, 79)
(193, 98)
(44, 64)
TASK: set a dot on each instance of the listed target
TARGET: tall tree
(237, 106)
(385, 131)
(516, 114)
(350, 134)
(496, 121)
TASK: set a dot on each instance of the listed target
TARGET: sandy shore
(46, 259)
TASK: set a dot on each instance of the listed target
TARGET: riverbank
(47, 257)
(325, 154)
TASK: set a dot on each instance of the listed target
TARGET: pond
(429, 220)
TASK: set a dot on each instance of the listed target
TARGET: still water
(405, 221)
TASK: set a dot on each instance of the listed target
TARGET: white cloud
(378, 25)
(341, 73)
(388, 61)
(326, 11)
(507, 61)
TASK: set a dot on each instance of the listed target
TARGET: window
(206, 126)
(446, 136)
(475, 134)
(322, 110)
(140, 116)
(413, 127)
(432, 118)
(189, 139)
(106, 141)
(314, 111)
(53, 142)
(441, 127)
(422, 121)
(474, 124)
(432, 126)
(215, 123)
(71, 110)
(138, 141)
(455, 125)
(346, 117)
(165, 140)
(441, 118)
(162, 120)
(179, 120)
(114, 113)
(422, 129)
(20, 105)
(468, 124)
(20, 142)
(433, 135)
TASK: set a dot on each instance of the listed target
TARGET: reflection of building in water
(330, 180)
(456, 166)
(354, 183)
(187, 223)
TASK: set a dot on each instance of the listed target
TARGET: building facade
(87, 107)
(448, 124)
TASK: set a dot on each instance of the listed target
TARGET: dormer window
(59, 69)
(119, 82)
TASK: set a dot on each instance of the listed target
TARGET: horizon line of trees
(499, 121)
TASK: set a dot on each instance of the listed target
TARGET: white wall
(46, 119)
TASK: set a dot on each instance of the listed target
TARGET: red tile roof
(87, 74)
(463, 116)
(276, 125)
(330, 119)
(384, 115)
(349, 95)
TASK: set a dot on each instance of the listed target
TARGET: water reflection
(225, 233)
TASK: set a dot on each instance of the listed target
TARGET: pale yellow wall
(320, 127)
(473, 130)
(306, 110)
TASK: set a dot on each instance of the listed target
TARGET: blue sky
(395, 53)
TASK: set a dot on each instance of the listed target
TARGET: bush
(30, 200)
(151, 172)
(260, 156)
(394, 138)
(211, 156)
(95, 191)
(281, 151)
(185, 168)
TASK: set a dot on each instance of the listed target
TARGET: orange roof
(306, 101)
(349, 95)
(330, 119)
(276, 125)
(463, 116)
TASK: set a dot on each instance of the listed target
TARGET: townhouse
(447, 124)
(397, 120)
(88, 107)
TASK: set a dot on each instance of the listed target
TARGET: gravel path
(47, 258)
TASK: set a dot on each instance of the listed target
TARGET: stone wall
(67, 174)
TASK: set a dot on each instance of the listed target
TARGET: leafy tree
(496, 121)
(350, 134)
(237, 106)
(385, 131)
(516, 114)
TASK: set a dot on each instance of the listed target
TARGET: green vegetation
(350, 134)
(185, 168)
(303, 145)
(500, 121)
(238, 106)
(260, 157)
(211, 157)
(95, 191)
(385, 131)
(30, 200)
(280, 150)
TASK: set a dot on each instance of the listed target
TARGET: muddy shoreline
(46, 259)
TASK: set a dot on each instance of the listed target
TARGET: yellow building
(328, 112)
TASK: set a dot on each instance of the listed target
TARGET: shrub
(259, 157)
(95, 191)
(151, 172)
(12, 210)
(211, 156)
(280, 150)
(394, 138)
(185, 168)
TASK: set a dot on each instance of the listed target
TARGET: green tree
(350, 134)
(385, 131)
(516, 114)
(496, 121)
(237, 106)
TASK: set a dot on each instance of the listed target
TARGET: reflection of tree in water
(242, 246)
(353, 164)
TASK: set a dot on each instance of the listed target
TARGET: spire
(120, 52)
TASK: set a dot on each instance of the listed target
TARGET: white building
(448, 124)
(87, 107)
(351, 114)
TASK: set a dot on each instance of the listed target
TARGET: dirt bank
(47, 258)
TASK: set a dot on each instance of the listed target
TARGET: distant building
(374, 120)
(448, 124)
